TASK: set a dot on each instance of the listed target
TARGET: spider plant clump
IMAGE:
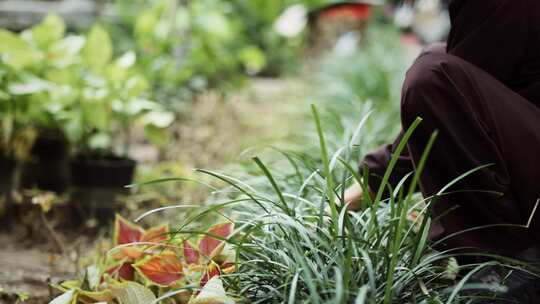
(291, 248)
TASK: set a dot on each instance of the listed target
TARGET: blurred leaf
(136, 85)
(146, 22)
(44, 201)
(65, 52)
(17, 52)
(133, 293)
(213, 293)
(127, 60)
(96, 116)
(253, 59)
(160, 119)
(452, 269)
(98, 50)
(50, 30)
(157, 136)
(65, 298)
(99, 141)
(93, 276)
(29, 85)
(214, 23)
(4, 95)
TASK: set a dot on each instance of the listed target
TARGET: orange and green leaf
(162, 270)
(131, 253)
(191, 255)
(228, 268)
(126, 232)
(124, 271)
(212, 243)
(159, 234)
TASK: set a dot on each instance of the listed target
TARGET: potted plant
(36, 62)
(113, 97)
(7, 161)
(17, 85)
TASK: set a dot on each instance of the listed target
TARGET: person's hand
(353, 197)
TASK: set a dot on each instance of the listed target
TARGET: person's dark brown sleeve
(377, 163)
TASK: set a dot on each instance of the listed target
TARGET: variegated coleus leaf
(164, 269)
(159, 234)
(212, 244)
(191, 255)
(124, 271)
(126, 233)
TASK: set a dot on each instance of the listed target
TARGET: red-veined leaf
(211, 246)
(159, 234)
(191, 255)
(125, 271)
(131, 253)
(126, 232)
(162, 270)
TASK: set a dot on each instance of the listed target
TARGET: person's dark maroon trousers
(483, 96)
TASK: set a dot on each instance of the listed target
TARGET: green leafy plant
(20, 62)
(113, 96)
(73, 83)
(145, 265)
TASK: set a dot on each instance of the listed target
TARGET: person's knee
(423, 84)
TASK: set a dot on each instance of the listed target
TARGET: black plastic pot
(47, 168)
(8, 166)
(98, 183)
(102, 171)
(7, 170)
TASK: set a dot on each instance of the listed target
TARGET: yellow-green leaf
(133, 293)
(98, 50)
(50, 30)
(16, 52)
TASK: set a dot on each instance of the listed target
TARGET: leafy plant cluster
(188, 46)
(147, 266)
(73, 83)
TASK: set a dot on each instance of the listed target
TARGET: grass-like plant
(289, 249)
